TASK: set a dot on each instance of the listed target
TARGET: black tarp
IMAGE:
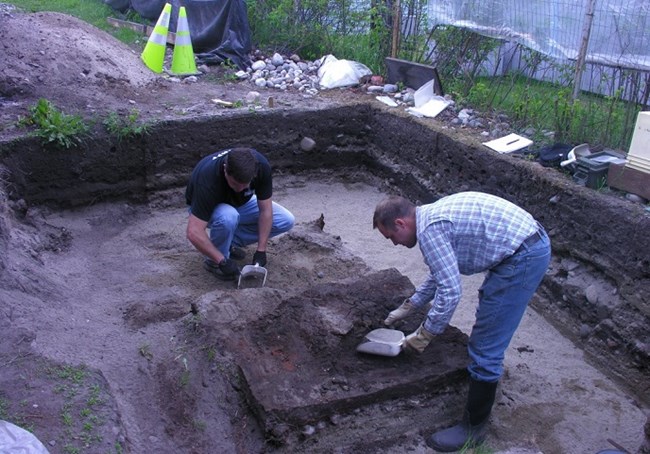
(218, 28)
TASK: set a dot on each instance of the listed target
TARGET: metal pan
(252, 276)
(383, 342)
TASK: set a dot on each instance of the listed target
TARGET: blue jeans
(238, 226)
(503, 297)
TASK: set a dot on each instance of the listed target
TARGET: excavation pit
(289, 348)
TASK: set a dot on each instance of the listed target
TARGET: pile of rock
(283, 73)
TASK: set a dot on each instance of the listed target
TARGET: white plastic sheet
(619, 34)
(14, 440)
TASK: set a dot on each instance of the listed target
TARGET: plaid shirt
(465, 233)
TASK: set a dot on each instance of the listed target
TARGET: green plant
(480, 448)
(124, 126)
(230, 71)
(479, 94)
(66, 416)
(93, 397)
(199, 425)
(3, 408)
(185, 378)
(71, 449)
(53, 126)
(313, 28)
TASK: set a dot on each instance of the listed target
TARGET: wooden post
(582, 53)
(397, 14)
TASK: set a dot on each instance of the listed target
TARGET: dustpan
(576, 152)
(383, 342)
(252, 276)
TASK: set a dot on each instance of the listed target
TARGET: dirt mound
(45, 54)
(86, 71)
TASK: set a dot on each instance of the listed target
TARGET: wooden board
(139, 28)
(625, 178)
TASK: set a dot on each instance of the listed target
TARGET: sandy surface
(111, 297)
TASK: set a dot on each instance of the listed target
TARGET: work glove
(401, 312)
(418, 340)
(229, 268)
(259, 258)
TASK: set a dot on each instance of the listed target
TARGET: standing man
(229, 194)
(468, 233)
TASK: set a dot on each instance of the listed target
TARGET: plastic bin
(591, 170)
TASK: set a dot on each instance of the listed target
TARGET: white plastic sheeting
(619, 35)
(14, 440)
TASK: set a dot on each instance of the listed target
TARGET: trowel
(253, 276)
(383, 342)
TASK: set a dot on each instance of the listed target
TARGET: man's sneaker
(214, 269)
(237, 253)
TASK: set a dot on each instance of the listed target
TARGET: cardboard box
(627, 179)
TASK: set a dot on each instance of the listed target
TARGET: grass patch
(593, 119)
(81, 408)
(95, 12)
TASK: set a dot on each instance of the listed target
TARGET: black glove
(259, 258)
(229, 268)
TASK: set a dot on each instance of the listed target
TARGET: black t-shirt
(208, 186)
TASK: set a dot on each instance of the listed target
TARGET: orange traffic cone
(153, 54)
(183, 59)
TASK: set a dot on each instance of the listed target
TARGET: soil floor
(111, 293)
(102, 307)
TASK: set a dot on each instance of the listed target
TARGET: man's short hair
(241, 164)
(390, 209)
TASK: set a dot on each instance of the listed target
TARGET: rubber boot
(472, 429)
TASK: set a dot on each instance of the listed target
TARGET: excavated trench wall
(597, 291)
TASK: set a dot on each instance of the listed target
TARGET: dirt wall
(597, 290)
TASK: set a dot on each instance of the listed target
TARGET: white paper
(509, 143)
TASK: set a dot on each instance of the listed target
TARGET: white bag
(335, 73)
